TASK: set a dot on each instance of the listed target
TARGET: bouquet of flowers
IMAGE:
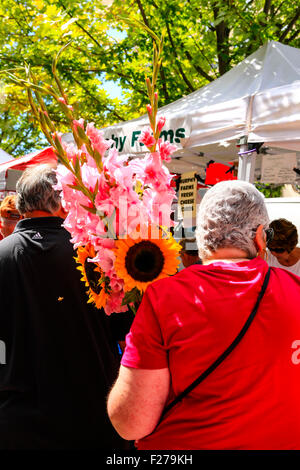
(118, 210)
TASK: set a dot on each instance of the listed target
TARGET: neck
(292, 258)
(227, 255)
(33, 214)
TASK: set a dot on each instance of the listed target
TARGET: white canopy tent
(4, 156)
(259, 99)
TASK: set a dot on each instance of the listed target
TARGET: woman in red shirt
(185, 322)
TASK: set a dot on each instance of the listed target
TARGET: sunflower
(92, 275)
(140, 261)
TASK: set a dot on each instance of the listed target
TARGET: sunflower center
(144, 261)
(92, 276)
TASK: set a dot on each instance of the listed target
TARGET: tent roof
(258, 98)
(4, 156)
(46, 155)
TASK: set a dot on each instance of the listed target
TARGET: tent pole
(247, 160)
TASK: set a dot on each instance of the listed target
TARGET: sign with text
(187, 198)
(278, 169)
(126, 135)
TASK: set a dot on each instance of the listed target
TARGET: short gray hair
(35, 190)
(228, 216)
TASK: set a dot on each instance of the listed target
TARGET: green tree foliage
(203, 40)
(270, 190)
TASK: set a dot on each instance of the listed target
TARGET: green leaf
(132, 296)
(92, 210)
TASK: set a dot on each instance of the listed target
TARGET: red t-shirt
(251, 401)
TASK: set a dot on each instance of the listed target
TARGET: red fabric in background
(46, 155)
(216, 172)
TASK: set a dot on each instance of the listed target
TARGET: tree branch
(21, 139)
(274, 12)
(292, 37)
(205, 58)
(222, 33)
(79, 25)
(290, 25)
(197, 67)
(121, 118)
(186, 80)
(141, 8)
(267, 6)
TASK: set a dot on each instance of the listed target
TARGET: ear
(260, 239)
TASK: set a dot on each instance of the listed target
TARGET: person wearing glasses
(283, 250)
(247, 398)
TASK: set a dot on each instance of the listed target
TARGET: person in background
(283, 250)
(185, 323)
(9, 215)
(189, 252)
(60, 359)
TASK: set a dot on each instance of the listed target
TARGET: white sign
(187, 197)
(278, 169)
(126, 135)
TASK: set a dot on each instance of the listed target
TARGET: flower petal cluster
(107, 197)
(147, 138)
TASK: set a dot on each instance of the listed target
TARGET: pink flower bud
(62, 100)
(149, 108)
(147, 138)
(161, 122)
(166, 149)
(79, 123)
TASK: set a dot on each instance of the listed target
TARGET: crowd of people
(210, 367)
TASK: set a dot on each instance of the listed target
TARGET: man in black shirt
(60, 359)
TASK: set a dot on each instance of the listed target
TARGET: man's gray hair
(228, 216)
(35, 190)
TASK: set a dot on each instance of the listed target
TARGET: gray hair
(228, 216)
(35, 190)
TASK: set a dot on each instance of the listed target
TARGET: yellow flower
(92, 276)
(141, 260)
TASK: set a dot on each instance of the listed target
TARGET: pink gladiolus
(161, 122)
(71, 151)
(149, 108)
(147, 138)
(78, 123)
(56, 134)
(105, 258)
(151, 172)
(113, 161)
(114, 303)
(166, 149)
(129, 194)
(97, 139)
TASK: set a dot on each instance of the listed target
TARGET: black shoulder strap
(226, 353)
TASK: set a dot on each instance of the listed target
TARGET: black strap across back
(226, 353)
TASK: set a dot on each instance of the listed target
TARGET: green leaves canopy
(202, 41)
